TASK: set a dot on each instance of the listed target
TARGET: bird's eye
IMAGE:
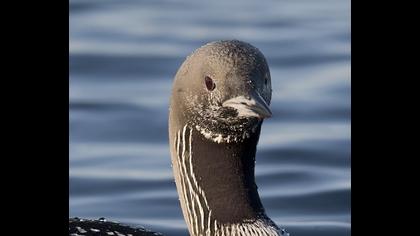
(266, 81)
(209, 83)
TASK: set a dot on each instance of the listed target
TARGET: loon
(220, 97)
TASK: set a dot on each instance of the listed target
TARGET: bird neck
(216, 184)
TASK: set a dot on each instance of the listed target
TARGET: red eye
(209, 83)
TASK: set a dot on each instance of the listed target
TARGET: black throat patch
(225, 172)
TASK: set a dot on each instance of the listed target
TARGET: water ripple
(123, 56)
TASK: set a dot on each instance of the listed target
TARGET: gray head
(223, 89)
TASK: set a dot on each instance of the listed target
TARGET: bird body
(103, 227)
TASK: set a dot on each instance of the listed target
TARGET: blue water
(123, 56)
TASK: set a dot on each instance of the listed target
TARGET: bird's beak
(252, 105)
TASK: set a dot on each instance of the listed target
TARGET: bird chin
(231, 132)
